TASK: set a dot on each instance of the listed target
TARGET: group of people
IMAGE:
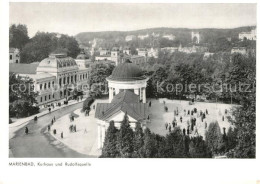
(191, 126)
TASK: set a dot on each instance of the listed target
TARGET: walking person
(170, 128)
(49, 128)
(26, 130)
(196, 131)
(61, 135)
(75, 130)
(166, 125)
(184, 131)
(85, 131)
(52, 122)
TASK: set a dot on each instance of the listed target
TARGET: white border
(120, 170)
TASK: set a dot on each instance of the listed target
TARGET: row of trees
(217, 77)
(22, 98)
(41, 44)
(126, 143)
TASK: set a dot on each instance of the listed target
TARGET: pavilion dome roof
(127, 71)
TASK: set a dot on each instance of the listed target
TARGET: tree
(69, 43)
(22, 98)
(97, 80)
(198, 148)
(109, 149)
(213, 137)
(175, 144)
(18, 36)
(149, 147)
(42, 44)
(138, 140)
(125, 139)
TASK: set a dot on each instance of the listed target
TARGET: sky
(73, 18)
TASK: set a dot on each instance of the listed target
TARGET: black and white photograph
(111, 80)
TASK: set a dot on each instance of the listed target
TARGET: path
(40, 144)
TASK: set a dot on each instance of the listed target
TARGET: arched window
(49, 85)
(40, 86)
(45, 85)
(64, 80)
(52, 83)
(75, 78)
(71, 78)
(68, 80)
(60, 82)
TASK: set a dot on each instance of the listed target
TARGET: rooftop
(21, 68)
(127, 71)
(127, 102)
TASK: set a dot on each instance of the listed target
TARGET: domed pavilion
(127, 95)
(127, 76)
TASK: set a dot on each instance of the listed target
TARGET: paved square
(159, 117)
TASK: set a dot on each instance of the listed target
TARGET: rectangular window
(45, 98)
(49, 97)
(11, 57)
(41, 99)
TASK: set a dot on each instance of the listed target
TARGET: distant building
(193, 49)
(241, 50)
(155, 35)
(152, 52)
(142, 37)
(130, 38)
(83, 60)
(105, 52)
(170, 49)
(14, 55)
(138, 59)
(251, 35)
(127, 50)
(116, 55)
(169, 36)
(142, 52)
(195, 37)
(244, 51)
(207, 55)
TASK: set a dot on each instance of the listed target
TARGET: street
(38, 143)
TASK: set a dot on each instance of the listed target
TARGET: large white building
(251, 35)
(127, 95)
(54, 77)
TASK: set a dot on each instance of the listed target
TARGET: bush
(87, 103)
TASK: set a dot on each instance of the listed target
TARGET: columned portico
(138, 87)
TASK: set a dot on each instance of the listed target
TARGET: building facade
(251, 35)
(55, 78)
(14, 55)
